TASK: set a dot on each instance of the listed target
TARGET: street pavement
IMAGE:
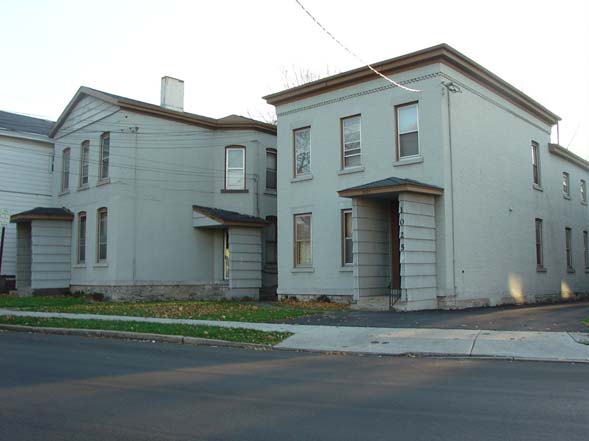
(71, 388)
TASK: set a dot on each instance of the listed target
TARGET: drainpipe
(451, 87)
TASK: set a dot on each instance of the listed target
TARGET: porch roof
(43, 213)
(216, 217)
(390, 185)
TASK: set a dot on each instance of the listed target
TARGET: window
(583, 190)
(226, 255)
(104, 156)
(539, 246)
(84, 161)
(302, 151)
(82, 237)
(65, 170)
(566, 188)
(407, 131)
(303, 248)
(586, 248)
(351, 141)
(536, 163)
(347, 243)
(569, 249)
(235, 168)
(101, 242)
(271, 164)
(271, 239)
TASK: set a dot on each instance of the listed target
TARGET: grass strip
(212, 332)
(8, 301)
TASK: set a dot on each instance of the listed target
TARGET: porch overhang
(43, 213)
(390, 186)
(216, 218)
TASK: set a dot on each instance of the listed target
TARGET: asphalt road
(70, 388)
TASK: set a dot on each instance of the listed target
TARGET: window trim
(586, 248)
(583, 190)
(99, 212)
(226, 257)
(398, 134)
(82, 215)
(344, 237)
(244, 156)
(343, 143)
(295, 253)
(566, 193)
(539, 224)
(101, 158)
(294, 151)
(85, 144)
(568, 244)
(65, 183)
(273, 220)
(272, 151)
(536, 167)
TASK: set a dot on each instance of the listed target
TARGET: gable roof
(43, 213)
(441, 53)
(24, 124)
(231, 122)
(230, 218)
(390, 185)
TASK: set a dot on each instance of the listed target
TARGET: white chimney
(172, 94)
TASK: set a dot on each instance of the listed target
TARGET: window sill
(541, 269)
(537, 187)
(349, 170)
(566, 196)
(228, 190)
(346, 269)
(101, 265)
(571, 270)
(408, 161)
(80, 265)
(302, 269)
(63, 193)
(301, 178)
(270, 192)
(103, 182)
(83, 187)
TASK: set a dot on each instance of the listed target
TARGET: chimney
(172, 96)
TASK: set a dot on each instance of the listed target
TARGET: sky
(230, 53)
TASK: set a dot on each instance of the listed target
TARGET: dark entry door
(395, 247)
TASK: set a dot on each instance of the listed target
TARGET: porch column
(245, 262)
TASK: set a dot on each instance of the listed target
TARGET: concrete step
(376, 303)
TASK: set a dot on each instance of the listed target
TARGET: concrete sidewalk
(520, 345)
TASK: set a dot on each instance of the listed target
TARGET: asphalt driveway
(567, 317)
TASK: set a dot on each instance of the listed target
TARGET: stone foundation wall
(132, 293)
(341, 299)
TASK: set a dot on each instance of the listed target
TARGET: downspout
(452, 88)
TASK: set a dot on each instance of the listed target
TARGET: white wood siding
(87, 111)
(51, 254)
(245, 261)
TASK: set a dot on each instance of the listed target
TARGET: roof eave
(412, 188)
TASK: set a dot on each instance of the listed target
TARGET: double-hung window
(84, 162)
(235, 168)
(351, 133)
(566, 184)
(539, 245)
(103, 164)
(583, 190)
(102, 235)
(407, 131)
(302, 151)
(586, 248)
(347, 243)
(569, 248)
(271, 164)
(535, 163)
(303, 252)
(82, 237)
(271, 239)
(65, 170)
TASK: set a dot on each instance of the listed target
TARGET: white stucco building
(452, 196)
(149, 201)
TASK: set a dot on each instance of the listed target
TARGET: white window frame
(104, 158)
(399, 133)
(346, 212)
(297, 263)
(226, 255)
(539, 232)
(242, 167)
(99, 213)
(568, 239)
(84, 164)
(345, 156)
(583, 191)
(82, 237)
(274, 153)
(65, 169)
(296, 153)
(566, 184)
(586, 248)
(536, 177)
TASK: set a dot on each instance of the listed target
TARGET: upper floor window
(351, 141)
(407, 130)
(271, 239)
(303, 252)
(271, 165)
(82, 237)
(566, 184)
(539, 245)
(84, 162)
(104, 156)
(583, 190)
(347, 243)
(536, 163)
(102, 235)
(302, 151)
(235, 168)
(65, 170)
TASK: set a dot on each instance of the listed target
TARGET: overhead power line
(353, 53)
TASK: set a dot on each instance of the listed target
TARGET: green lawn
(217, 310)
(211, 332)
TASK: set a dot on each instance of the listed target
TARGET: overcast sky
(230, 53)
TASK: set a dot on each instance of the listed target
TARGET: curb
(125, 335)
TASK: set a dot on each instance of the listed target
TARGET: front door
(395, 247)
